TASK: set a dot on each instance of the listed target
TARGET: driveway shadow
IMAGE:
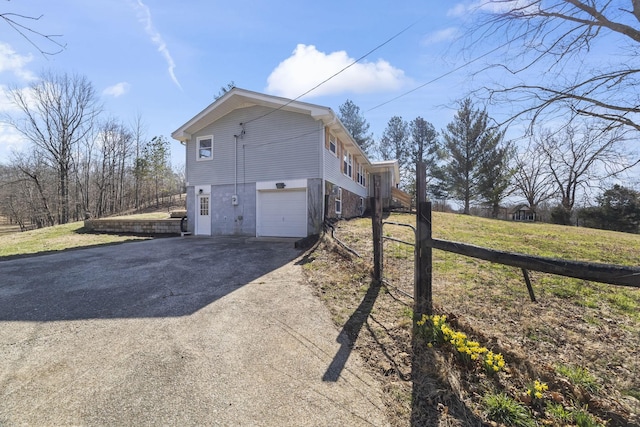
(152, 278)
(350, 332)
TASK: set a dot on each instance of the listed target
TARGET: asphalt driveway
(178, 331)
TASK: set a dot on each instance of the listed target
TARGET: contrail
(156, 38)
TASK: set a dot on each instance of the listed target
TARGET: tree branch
(24, 30)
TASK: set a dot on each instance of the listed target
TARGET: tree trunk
(64, 193)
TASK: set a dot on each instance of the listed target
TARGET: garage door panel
(282, 213)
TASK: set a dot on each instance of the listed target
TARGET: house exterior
(261, 165)
(523, 213)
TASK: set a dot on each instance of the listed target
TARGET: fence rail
(603, 273)
(424, 243)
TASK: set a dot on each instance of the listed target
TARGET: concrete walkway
(180, 331)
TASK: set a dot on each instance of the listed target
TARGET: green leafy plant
(632, 393)
(583, 418)
(430, 328)
(559, 413)
(504, 409)
(579, 376)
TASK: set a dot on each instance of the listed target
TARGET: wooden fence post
(376, 223)
(424, 269)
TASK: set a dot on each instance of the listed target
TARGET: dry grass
(14, 243)
(575, 324)
(57, 238)
(9, 229)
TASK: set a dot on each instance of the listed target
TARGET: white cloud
(463, 9)
(7, 106)
(447, 34)
(117, 89)
(15, 63)
(307, 67)
(5, 103)
(144, 15)
(459, 9)
(10, 140)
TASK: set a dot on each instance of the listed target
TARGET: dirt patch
(430, 386)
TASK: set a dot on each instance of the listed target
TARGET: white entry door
(203, 215)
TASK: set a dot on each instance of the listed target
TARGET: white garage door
(282, 213)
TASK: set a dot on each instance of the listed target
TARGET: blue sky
(166, 60)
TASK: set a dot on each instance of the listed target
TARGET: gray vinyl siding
(385, 184)
(277, 145)
(333, 173)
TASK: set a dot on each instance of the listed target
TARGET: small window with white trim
(361, 176)
(339, 201)
(347, 164)
(333, 145)
(204, 147)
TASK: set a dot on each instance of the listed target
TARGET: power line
(466, 64)
(339, 72)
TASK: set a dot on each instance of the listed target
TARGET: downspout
(235, 163)
(235, 166)
(323, 136)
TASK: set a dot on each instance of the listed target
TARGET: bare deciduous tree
(57, 113)
(578, 157)
(553, 47)
(532, 179)
(138, 128)
(35, 169)
(22, 24)
(115, 149)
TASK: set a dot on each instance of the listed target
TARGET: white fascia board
(338, 128)
(181, 136)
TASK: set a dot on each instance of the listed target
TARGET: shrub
(503, 409)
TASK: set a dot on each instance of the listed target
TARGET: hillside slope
(580, 339)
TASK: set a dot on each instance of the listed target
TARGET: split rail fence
(424, 243)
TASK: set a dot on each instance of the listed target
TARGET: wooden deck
(401, 198)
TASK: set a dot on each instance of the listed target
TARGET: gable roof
(522, 207)
(237, 98)
(383, 165)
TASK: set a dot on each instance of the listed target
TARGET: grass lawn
(56, 238)
(581, 338)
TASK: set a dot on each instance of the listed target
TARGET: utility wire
(466, 64)
(339, 72)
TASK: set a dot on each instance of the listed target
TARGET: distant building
(523, 213)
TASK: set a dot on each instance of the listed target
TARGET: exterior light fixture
(280, 185)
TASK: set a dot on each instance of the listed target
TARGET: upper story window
(347, 164)
(204, 147)
(333, 145)
(362, 180)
